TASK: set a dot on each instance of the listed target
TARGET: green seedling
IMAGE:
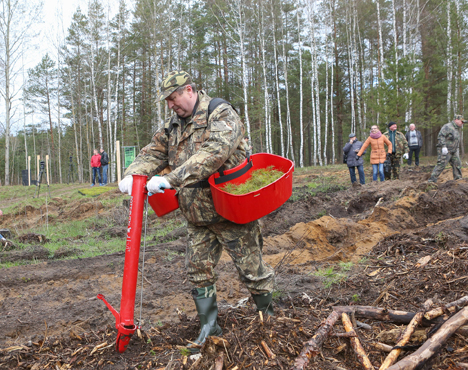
(185, 352)
(259, 179)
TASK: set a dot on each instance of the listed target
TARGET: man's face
(459, 122)
(181, 104)
(392, 127)
(101, 150)
(353, 138)
(412, 127)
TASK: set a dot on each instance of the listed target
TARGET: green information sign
(129, 155)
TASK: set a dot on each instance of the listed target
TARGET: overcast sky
(57, 15)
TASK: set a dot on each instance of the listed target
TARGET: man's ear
(189, 90)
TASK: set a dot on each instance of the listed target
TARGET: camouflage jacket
(193, 152)
(449, 137)
(401, 145)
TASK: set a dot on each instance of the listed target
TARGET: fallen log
(433, 344)
(449, 307)
(382, 314)
(313, 346)
(356, 344)
(393, 355)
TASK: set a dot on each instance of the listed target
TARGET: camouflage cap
(172, 82)
(460, 117)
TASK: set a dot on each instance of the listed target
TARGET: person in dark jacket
(415, 142)
(104, 165)
(350, 150)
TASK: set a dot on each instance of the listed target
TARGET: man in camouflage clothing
(448, 141)
(399, 149)
(194, 146)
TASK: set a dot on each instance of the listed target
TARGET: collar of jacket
(455, 125)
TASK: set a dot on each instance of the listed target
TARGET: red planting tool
(124, 320)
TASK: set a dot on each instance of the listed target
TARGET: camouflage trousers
(243, 243)
(395, 168)
(451, 157)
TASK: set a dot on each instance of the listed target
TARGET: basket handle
(234, 175)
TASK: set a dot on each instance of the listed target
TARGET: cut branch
(313, 346)
(356, 344)
(393, 355)
(434, 344)
(382, 314)
(449, 307)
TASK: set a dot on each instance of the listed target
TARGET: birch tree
(17, 18)
(301, 125)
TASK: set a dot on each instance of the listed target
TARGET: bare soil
(50, 316)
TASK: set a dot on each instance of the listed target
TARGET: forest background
(302, 74)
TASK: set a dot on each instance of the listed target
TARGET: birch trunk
(351, 69)
(395, 44)
(325, 160)
(286, 85)
(381, 59)
(449, 63)
(93, 81)
(317, 132)
(116, 105)
(110, 136)
(301, 124)
(78, 157)
(332, 87)
(245, 82)
(269, 147)
(277, 81)
(59, 122)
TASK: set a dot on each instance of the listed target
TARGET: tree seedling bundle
(259, 179)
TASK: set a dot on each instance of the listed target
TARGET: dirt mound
(36, 252)
(32, 238)
(63, 252)
(83, 210)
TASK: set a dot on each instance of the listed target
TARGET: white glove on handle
(444, 151)
(126, 184)
(405, 156)
(157, 184)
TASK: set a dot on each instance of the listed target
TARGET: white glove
(444, 151)
(405, 156)
(157, 184)
(125, 185)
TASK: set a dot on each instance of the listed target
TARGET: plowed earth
(50, 317)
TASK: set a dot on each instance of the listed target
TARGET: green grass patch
(94, 191)
(334, 274)
(259, 179)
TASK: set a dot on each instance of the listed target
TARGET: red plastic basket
(245, 208)
(164, 203)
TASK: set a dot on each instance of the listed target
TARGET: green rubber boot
(207, 308)
(264, 303)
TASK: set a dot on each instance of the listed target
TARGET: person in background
(376, 140)
(399, 149)
(95, 164)
(350, 150)
(448, 141)
(415, 142)
(104, 165)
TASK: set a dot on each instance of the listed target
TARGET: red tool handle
(124, 320)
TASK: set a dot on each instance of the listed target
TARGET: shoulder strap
(214, 104)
